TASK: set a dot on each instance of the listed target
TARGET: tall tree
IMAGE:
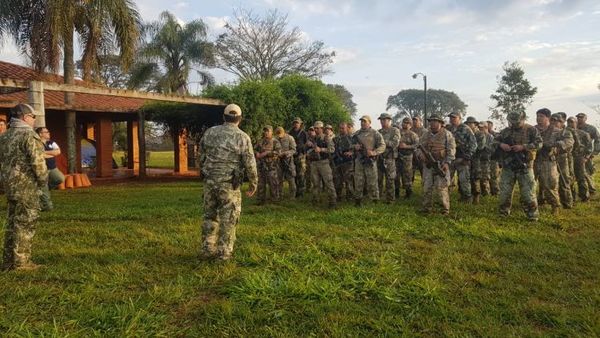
(514, 92)
(409, 102)
(255, 47)
(170, 53)
(109, 72)
(345, 96)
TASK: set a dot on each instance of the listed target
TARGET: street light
(414, 76)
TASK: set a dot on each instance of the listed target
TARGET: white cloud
(343, 55)
(215, 24)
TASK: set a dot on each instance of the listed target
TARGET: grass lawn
(158, 159)
(122, 261)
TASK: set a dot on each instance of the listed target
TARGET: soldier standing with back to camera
(404, 164)
(300, 138)
(24, 175)
(368, 145)
(436, 151)
(466, 145)
(517, 145)
(386, 164)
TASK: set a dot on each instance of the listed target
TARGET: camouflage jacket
(23, 168)
(410, 139)
(391, 138)
(485, 150)
(271, 146)
(419, 131)
(527, 136)
(300, 137)
(224, 151)
(583, 145)
(343, 144)
(441, 145)
(325, 145)
(466, 144)
(593, 132)
(555, 142)
(369, 138)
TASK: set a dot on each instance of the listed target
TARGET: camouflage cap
(311, 128)
(384, 116)
(544, 111)
(23, 109)
(366, 118)
(279, 130)
(563, 114)
(482, 125)
(454, 114)
(436, 117)
(267, 127)
(515, 117)
(318, 124)
(581, 115)
(572, 119)
(471, 119)
(416, 118)
(557, 117)
(407, 119)
(297, 119)
(233, 110)
(328, 126)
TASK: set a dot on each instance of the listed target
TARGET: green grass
(122, 261)
(158, 159)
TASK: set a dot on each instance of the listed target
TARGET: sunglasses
(31, 115)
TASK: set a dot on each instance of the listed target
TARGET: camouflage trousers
(590, 169)
(322, 178)
(386, 173)
(404, 171)
(564, 182)
(435, 184)
(581, 176)
(222, 209)
(365, 175)
(526, 181)
(485, 177)
(267, 176)
(286, 172)
(548, 180)
(494, 177)
(475, 172)
(300, 164)
(463, 171)
(344, 179)
(20, 230)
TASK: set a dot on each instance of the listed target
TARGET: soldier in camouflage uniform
(300, 138)
(494, 165)
(439, 144)
(386, 163)
(542, 123)
(286, 168)
(475, 169)
(24, 175)
(342, 159)
(417, 128)
(267, 154)
(485, 155)
(582, 152)
(466, 145)
(368, 145)
(595, 136)
(319, 150)
(563, 152)
(225, 154)
(517, 145)
(404, 164)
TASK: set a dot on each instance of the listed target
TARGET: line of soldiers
(377, 164)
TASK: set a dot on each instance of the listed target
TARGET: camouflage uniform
(518, 167)
(416, 163)
(582, 151)
(344, 171)
(476, 164)
(494, 168)
(404, 163)
(563, 153)
(267, 169)
(286, 168)
(386, 163)
(466, 145)
(300, 138)
(225, 153)
(553, 140)
(23, 173)
(365, 168)
(320, 169)
(442, 147)
(589, 165)
(485, 166)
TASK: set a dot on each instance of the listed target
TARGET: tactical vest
(320, 142)
(436, 144)
(267, 145)
(407, 137)
(367, 138)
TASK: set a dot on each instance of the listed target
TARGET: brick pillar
(104, 147)
(133, 148)
(180, 145)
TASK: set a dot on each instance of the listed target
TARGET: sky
(460, 45)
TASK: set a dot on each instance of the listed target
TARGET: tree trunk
(71, 118)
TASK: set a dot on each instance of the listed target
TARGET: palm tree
(171, 52)
(40, 28)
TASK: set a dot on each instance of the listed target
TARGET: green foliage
(514, 92)
(122, 260)
(346, 97)
(409, 102)
(277, 102)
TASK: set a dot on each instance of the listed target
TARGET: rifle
(431, 163)
(515, 161)
(365, 158)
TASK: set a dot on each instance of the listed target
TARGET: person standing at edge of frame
(225, 155)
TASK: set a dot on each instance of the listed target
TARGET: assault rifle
(515, 161)
(431, 162)
(365, 158)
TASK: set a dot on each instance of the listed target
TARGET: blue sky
(460, 44)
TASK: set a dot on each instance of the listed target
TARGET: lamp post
(414, 76)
